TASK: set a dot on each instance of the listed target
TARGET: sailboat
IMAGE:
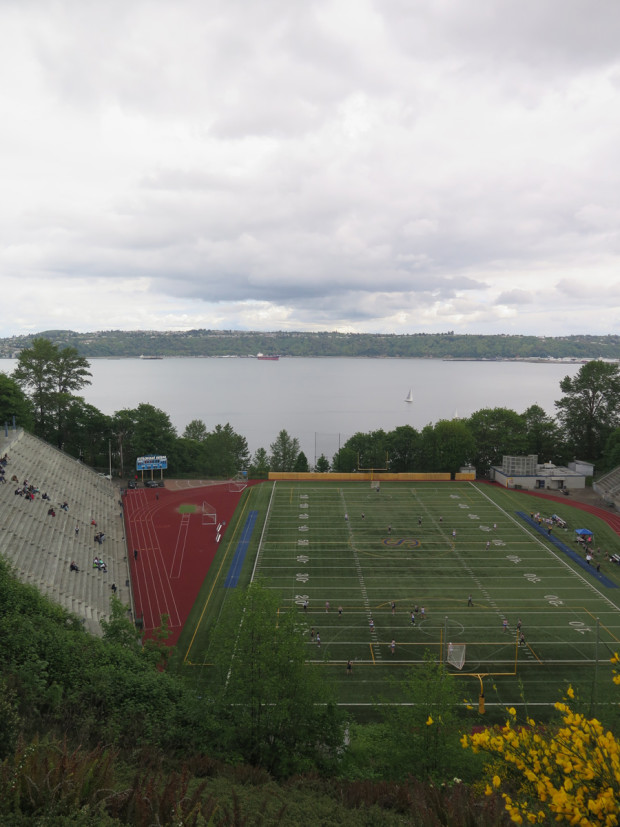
(409, 397)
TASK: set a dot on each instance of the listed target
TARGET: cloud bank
(340, 164)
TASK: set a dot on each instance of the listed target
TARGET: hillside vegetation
(242, 343)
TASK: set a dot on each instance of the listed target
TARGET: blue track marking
(232, 578)
(576, 558)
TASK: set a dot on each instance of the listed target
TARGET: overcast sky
(358, 165)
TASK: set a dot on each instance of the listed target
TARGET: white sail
(409, 397)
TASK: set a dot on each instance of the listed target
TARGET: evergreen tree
(284, 452)
(322, 464)
(259, 466)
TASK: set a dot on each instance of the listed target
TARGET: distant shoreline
(492, 359)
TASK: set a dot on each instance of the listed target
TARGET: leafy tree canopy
(590, 408)
(274, 708)
(496, 431)
(14, 403)
(51, 375)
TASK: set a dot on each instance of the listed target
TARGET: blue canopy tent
(584, 534)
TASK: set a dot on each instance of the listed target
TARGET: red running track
(174, 550)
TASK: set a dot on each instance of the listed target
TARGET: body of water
(322, 402)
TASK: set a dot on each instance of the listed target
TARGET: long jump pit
(173, 534)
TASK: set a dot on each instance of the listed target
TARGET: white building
(529, 474)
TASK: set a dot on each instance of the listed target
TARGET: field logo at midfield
(406, 542)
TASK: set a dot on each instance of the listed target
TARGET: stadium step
(42, 547)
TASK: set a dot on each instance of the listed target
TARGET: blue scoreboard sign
(151, 463)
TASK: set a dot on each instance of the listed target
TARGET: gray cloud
(369, 166)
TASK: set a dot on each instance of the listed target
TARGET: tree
(590, 408)
(427, 449)
(259, 466)
(51, 375)
(88, 433)
(143, 431)
(14, 403)
(425, 734)
(497, 432)
(611, 455)
(322, 464)
(403, 446)
(544, 437)
(190, 456)
(275, 709)
(284, 452)
(120, 629)
(301, 463)
(226, 452)
(345, 460)
(363, 451)
(454, 445)
(195, 430)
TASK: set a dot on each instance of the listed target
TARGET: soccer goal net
(456, 655)
(209, 514)
(238, 483)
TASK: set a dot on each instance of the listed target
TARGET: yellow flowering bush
(565, 774)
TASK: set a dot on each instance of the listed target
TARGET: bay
(322, 402)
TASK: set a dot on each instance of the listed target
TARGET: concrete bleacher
(608, 486)
(40, 547)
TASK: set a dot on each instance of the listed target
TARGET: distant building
(529, 474)
(582, 467)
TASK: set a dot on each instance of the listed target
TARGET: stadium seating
(608, 486)
(41, 547)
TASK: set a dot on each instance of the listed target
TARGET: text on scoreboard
(151, 463)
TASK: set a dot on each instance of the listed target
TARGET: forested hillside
(204, 343)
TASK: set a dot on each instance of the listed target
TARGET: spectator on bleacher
(44, 496)
(113, 587)
(73, 566)
(51, 512)
(96, 563)
(65, 506)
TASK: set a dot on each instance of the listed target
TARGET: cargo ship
(264, 358)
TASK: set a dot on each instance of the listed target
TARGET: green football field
(355, 563)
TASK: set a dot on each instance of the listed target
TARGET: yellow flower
(512, 711)
(429, 721)
(570, 692)
(496, 781)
